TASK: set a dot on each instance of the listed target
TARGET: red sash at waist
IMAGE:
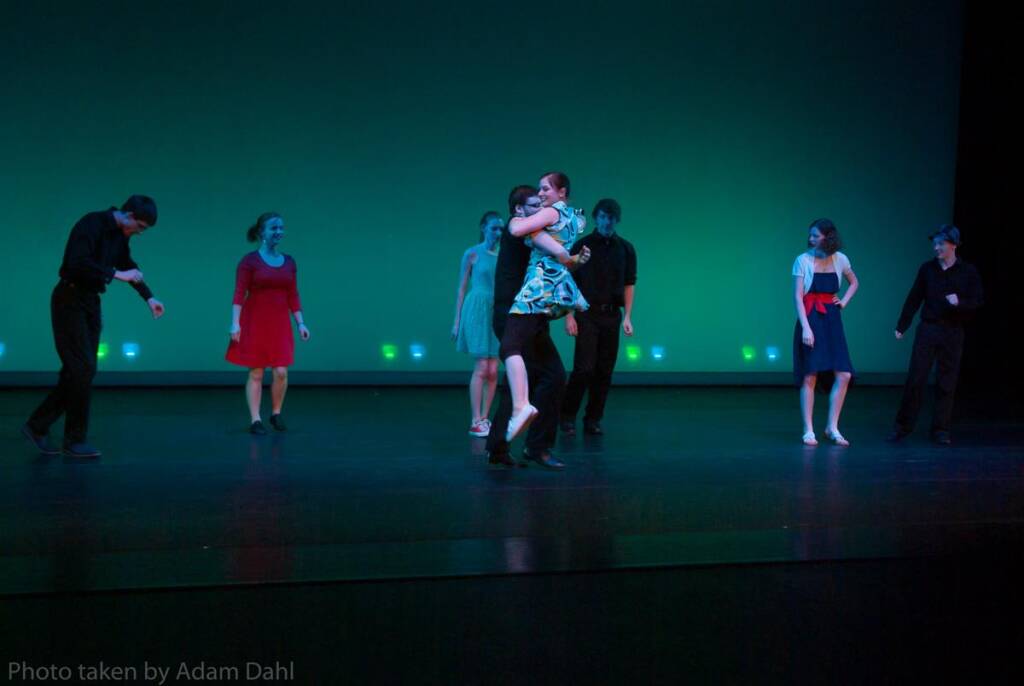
(817, 301)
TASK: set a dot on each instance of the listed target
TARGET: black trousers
(597, 349)
(75, 315)
(546, 375)
(942, 346)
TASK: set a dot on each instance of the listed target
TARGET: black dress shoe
(80, 450)
(277, 422)
(593, 428)
(40, 441)
(568, 427)
(257, 428)
(500, 459)
(942, 438)
(544, 459)
(897, 435)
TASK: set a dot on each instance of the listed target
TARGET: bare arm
(545, 243)
(465, 269)
(798, 297)
(522, 226)
(851, 289)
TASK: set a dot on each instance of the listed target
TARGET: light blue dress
(548, 287)
(476, 334)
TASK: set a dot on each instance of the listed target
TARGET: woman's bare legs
(518, 384)
(476, 389)
(254, 392)
(490, 385)
(807, 401)
(836, 400)
(278, 389)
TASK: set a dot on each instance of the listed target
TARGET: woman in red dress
(266, 291)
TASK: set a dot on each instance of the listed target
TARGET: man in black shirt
(948, 291)
(544, 368)
(96, 253)
(608, 282)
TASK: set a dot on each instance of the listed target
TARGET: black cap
(947, 232)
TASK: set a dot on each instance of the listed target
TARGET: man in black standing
(948, 291)
(96, 253)
(608, 283)
(544, 367)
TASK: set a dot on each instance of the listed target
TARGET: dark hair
(609, 207)
(558, 180)
(518, 196)
(142, 207)
(253, 234)
(488, 216)
(829, 231)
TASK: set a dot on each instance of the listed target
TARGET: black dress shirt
(611, 268)
(96, 249)
(932, 285)
(513, 258)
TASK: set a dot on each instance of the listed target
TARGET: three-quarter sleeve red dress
(268, 295)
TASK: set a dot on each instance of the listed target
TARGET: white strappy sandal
(836, 437)
(809, 438)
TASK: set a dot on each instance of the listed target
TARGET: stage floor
(373, 484)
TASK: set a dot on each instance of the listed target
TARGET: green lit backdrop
(381, 132)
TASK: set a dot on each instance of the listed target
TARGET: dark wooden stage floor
(698, 536)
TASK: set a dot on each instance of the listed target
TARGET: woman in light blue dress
(472, 330)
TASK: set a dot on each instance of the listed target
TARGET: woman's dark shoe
(80, 450)
(40, 441)
(278, 423)
(942, 438)
(593, 429)
(568, 427)
(258, 428)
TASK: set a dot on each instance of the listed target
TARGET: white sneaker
(519, 421)
(480, 429)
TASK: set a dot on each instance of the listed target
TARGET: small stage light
(749, 352)
(102, 350)
(417, 351)
(772, 352)
(657, 352)
(130, 350)
(632, 353)
(389, 351)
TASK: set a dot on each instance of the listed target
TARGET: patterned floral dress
(548, 287)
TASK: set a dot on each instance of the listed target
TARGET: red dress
(268, 295)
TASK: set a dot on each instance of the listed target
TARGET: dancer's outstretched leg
(523, 413)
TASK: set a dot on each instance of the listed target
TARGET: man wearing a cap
(947, 291)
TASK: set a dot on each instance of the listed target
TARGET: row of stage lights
(417, 351)
(634, 353)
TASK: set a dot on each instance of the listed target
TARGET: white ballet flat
(836, 437)
(809, 438)
(519, 421)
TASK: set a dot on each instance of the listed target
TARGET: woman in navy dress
(819, 344)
